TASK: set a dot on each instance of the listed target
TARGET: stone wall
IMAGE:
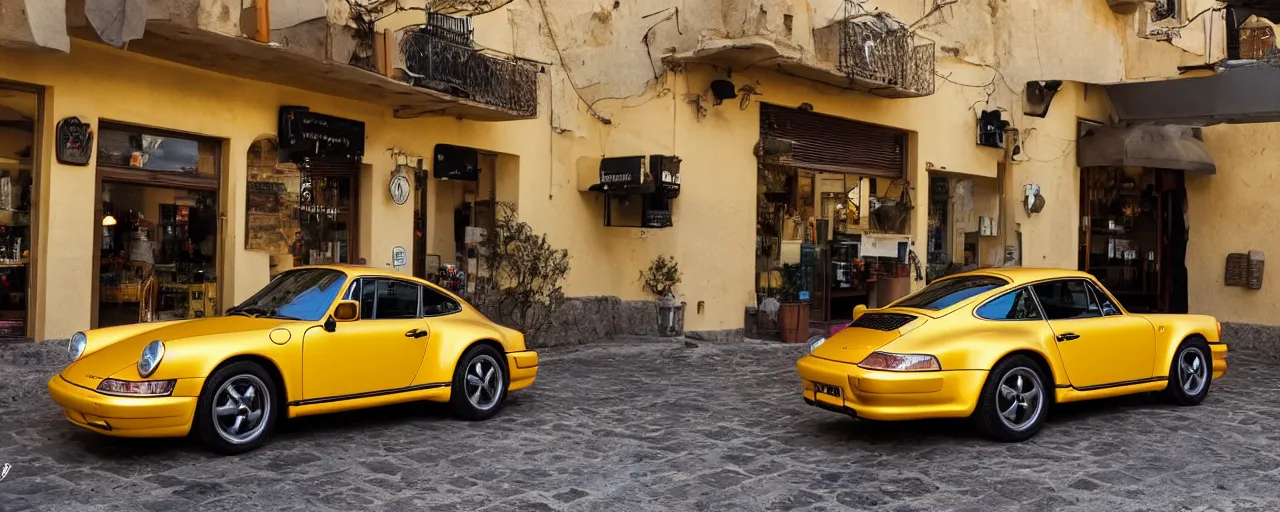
(585, 320)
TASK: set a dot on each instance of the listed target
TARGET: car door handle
(1068, 336)
(415, 334)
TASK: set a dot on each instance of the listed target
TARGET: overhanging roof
(1244, 94)
(1162, 147)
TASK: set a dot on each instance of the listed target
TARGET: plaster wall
(1229, 212)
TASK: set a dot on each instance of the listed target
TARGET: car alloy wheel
(1020, 401)
(479, 387)
(483, 383)
(1014, 401)
(241, 407)
(1193, 370)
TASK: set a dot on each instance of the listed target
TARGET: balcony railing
(439, 56)
(886, 57)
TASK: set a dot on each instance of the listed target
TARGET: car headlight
(900, 362)
(137, 388)
(816, 342)
(150, 360)
(75, 348)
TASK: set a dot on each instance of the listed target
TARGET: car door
(380, 352)
(1099, 344)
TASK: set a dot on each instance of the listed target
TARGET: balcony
(332, 47)
(864, 51)
(441, 56)
(879, 54)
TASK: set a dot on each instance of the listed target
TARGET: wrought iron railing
(885, 55)
(441, 58)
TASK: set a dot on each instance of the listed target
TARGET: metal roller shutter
(833, 144)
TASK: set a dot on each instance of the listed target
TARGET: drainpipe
(262, 32)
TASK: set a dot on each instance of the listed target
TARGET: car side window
(436, 304)
(396, 299)
(1104, 301)
(1014, 305)
(1066, 299)
(362, 291)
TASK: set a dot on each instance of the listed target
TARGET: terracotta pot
(793, 322)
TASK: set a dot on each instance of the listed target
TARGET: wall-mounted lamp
(109, 220)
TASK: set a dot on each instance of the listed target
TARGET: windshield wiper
(258, 312)
(249, 311)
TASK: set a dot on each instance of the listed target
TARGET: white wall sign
(400, 189)
(399, 257)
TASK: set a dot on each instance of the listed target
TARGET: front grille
(882, 321)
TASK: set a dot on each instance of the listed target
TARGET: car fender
(450, 339)
(1171, 330)
(198, 357)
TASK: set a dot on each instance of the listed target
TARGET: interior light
(109, 220)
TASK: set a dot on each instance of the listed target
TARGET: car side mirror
(858, 310)
(347, 311)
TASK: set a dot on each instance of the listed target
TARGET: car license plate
(827, 389)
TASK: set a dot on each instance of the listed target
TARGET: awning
(1163, 147)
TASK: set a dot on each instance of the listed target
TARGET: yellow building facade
(600, 95)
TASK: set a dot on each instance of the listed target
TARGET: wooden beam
(262, 32)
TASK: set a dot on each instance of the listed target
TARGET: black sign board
(75, 141)
(307, 136)
(456, 163)
(627, 174)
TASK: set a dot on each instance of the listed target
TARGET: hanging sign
(623, 172)
(400, 188)
(75, 141)
(456, 163)
(306, 135)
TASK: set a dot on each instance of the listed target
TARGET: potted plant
(793, 309)
(661, 279)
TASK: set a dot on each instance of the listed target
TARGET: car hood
(92, 368)
(873, 330)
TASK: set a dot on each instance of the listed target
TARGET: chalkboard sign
(456, 163)
(75, 141)
(308, 136)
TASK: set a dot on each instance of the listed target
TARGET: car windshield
(949, 292)
(295, 295)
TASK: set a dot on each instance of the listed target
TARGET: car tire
(1190, 372)
(237, 409)
(480, 380)
(1015, 400)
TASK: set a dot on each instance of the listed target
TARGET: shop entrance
(462, 209)
(963, 213)
(1134, 238)
(831, 220)
(158, 227)
(19, 122)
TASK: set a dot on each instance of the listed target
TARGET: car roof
(1022, 275)
(359, 270)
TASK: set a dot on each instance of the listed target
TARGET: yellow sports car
(1001, 346)
(314, 340)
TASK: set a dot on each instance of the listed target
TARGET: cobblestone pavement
(660, 426)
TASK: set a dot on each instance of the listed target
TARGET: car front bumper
(167, 416)
(889, 396)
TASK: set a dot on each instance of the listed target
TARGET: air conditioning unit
(1125, 6)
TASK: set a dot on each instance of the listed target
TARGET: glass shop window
(135, 149)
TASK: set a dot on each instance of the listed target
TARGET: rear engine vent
(882, 321)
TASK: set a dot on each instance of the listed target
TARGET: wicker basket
(1237, 269)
